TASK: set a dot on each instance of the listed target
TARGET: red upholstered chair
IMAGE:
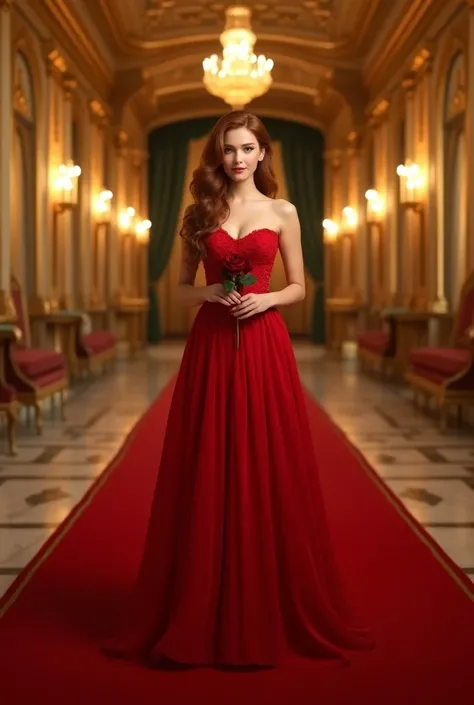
(33, 373)
(448, 373)
(376, 348)
(95, 348)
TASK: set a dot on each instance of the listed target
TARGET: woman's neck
(244, 191)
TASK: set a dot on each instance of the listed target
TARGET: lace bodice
(259, 247)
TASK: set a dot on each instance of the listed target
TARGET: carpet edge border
(445, 561)
(28, 571)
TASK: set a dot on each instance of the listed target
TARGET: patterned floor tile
(40, 486)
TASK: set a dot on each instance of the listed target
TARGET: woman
(237, 566)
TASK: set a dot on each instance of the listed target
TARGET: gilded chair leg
(38, 418)
(12, 420)
(62, 410)
(443, 417)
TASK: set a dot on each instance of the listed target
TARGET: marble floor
(433, 475)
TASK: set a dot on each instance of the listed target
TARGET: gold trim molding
(171, 115)
(379, 112)
(351, 45)
(423, 59)
(120, 143)
(392, 49)
(136, 45)
(62, 12)
(409, 84)
(55, 62)
(354, 143)
(99, 114)
(69, 85)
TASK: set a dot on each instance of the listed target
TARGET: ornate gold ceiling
(157, 48)
(151, 24)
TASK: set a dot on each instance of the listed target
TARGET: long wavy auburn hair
(210, 184)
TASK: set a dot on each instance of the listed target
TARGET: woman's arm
(292, 256)
(189, 294)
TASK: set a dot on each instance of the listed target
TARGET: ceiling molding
(414, 22)
(76, 40)
(263, 112)
(310, 67)
(140, 46)
(197, 86)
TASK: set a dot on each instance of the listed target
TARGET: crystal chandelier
(239, 75)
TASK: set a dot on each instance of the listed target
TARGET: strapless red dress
(238, 567)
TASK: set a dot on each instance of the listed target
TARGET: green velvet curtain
(168, 150)
(302, 149)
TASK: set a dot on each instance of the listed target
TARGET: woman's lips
(239, 168)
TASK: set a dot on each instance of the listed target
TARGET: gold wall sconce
(126, 221)
(349, 221)
(142, 231)
(66, 187)
(412, 192)
(102, 212)
(331, 231)
(142, 236)
(375, 208)
(65, 197)
(375, 211)
(103, 207)
(346, 266)
(411, 185)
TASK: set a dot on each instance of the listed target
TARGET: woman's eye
(249, 149)
(227, 150)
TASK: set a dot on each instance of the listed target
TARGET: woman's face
(242, 154)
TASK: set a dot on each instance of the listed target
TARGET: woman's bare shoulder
(284, 209)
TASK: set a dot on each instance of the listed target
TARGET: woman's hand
(217, 294)
(251, 304)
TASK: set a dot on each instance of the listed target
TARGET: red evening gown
(238, 567)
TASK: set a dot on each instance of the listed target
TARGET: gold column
(51, 235)
(42, 194)
(409, 85)
(333, 207)
(351, 251)
(117, 239)
(392, 205)
(433, 237)
(6, 136)
(424, 218)
(139, 201)
(470, 139)
(55, 69)
(69, 84)
(134, 189)
(99, 233)
(409, 222)
(387, 279)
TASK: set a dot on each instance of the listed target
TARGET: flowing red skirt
(238, 567)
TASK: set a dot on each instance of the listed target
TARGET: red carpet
(418, 605)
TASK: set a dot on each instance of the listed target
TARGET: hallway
(432, 474)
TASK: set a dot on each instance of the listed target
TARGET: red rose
(236, 264)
